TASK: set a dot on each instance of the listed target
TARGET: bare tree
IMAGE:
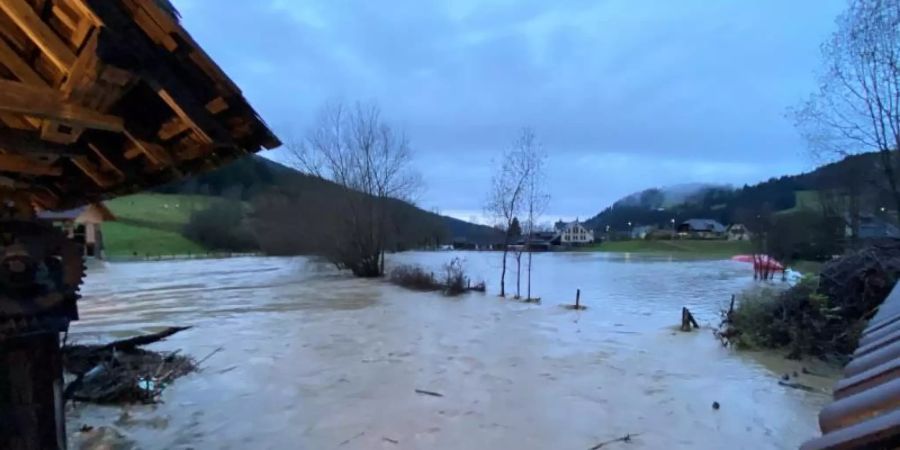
(857, 106)
(536, 197)
(506, 198)
(353, 147)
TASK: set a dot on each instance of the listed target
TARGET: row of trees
(518, 189)
(353, 148)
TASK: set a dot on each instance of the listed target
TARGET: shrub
(799, 319)
(414, 277)
(453, 281)
(221, 227)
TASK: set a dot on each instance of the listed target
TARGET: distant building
(574, 233)
(701, 229)
(874, 227)
(83, 225)
(738, 232)
(461, 243)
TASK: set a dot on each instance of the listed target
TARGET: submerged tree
(506, 198)
(536, 197)
(857, 106)
(353, 147)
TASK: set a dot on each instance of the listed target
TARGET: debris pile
(820, 316)
(858, 282)
(121, 372)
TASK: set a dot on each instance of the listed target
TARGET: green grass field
(680, 247)
(150, 224)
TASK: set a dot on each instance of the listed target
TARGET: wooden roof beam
(46, 103)
(37, 30)
(22, 164)
(24, 142)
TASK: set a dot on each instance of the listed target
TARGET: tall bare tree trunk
(503, 273)
(518, 274)
(529, 270)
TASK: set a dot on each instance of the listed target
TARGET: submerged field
(313, 359)
(683, 247)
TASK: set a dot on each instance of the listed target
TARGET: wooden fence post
(578, 299)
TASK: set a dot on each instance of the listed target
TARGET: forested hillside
(258, 181)
(855, 175)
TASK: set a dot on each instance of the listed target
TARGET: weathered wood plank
(217, 105)
(22, 164)
(154, 152)
(38, 31)
(64, 17)
(92, 171)
(46, 103)
(25, 142)
(172, 128)
(85, 11)
(21, 69)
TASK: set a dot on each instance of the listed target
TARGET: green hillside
(150, 225)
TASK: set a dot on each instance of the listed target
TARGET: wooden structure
(98, 98)
(83, 225)
(866, 409)
(106, 97)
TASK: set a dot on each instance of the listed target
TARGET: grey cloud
(648, 92)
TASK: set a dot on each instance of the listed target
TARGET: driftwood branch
(132, 342)
(431, 393)
(626, 438)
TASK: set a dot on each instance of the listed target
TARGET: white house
(82, 225)
(574, 233)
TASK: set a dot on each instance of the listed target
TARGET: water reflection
(314, 359)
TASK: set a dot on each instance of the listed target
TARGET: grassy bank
(151, 224)
(683, 247)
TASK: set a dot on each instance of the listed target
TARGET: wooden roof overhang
(100, 98)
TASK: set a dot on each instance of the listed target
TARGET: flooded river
(313, 359)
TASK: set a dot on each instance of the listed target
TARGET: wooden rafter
(70, 22)
(107, 164)
(92, 171)
(21, 69)
(85, 11)
(49, 103)
(157, 74)
(23, 164)
(154, 152)
(217, 105)
(37, 30)
(24, 142)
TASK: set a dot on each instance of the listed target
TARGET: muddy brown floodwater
(315, 360)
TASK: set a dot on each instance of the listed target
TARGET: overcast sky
(624, 94)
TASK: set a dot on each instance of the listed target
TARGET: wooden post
(731, 306)
(31, 393)
(687, 319)
(578, 299)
